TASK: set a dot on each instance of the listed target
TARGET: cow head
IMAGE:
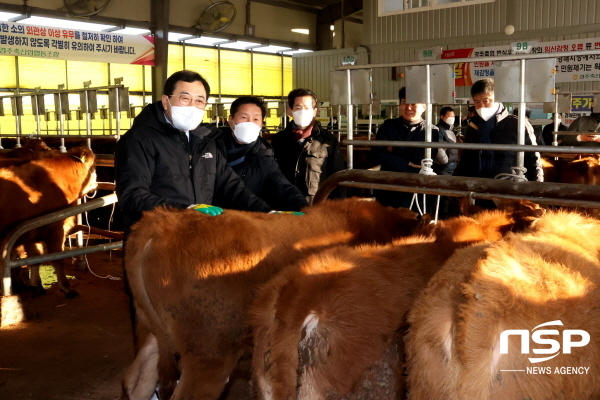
(85, 156)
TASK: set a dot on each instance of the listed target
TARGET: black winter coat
(547, 132)
(446, 159)
(505, 132)
(155, 165)
(257, 168)
(397, 158)
(307, 164)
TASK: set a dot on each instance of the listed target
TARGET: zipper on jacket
(187, 147)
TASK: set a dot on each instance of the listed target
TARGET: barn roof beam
(333, 12)
(291, 5)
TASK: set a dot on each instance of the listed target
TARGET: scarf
(300, 134)
(236, 152)
(486, 157)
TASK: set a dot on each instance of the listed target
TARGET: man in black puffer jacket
(168, 158)
(251, 156)
(408, 127)
(493, 125)
(446, 159)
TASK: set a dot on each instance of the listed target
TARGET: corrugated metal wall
(397, 38)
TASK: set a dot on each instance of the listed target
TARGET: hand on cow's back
(207, 209)
(287, 212)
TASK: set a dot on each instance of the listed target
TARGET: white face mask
(488, 112)
(186, 118)
(246, 132)
(303, 118)
(450, 120)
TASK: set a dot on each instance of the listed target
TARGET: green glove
(207, 209)
(289, 212)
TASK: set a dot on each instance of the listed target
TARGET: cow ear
(525, 207)
(467, 209)
(83, 153)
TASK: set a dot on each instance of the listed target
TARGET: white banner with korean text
(72, 44)
(584, 68)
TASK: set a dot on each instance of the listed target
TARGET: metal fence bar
(561, 191)
(478, 146)
(15, 234)
(65, 254)
(464, 193)
(35, 135)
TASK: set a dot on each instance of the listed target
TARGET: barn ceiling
(327, 11)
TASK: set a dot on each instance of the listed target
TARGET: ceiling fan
(217, 17)
(85, 8)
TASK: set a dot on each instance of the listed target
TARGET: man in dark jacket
(446, 159)
(168, 158)
(587, 123)
(306, 152)
(251, 156)
(494, 125)
(548, 129)
(409, 126)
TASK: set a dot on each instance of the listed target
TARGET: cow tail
(152, 324)
(275, 358)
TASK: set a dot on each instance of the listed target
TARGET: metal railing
(428, 64)
(477, 188)
(478, 146)
(7, 245)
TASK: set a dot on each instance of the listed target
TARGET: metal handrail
(7, 244)
(539, 192)
(477, 146)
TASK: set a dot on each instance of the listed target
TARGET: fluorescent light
(5, 16)
(132, 31)
(302, 31)
(271, 49)
(65, 24)
(206, 41)
(176, 37)
(240, 45)
(289, 53)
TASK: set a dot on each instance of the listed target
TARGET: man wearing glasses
(169, 157)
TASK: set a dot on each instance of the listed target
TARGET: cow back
(550, 273)
(47, 184)
(193, 275)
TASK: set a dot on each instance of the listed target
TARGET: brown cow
(32, 150)
(549, 275)
(39, 187)
(327, 329)
(585, 171)
(192, 277)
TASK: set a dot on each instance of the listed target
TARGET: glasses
(187, 100)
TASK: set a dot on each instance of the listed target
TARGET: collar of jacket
(317, 129)
(229, 141)
(419, 125)
(444, 124)
(499, 117)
